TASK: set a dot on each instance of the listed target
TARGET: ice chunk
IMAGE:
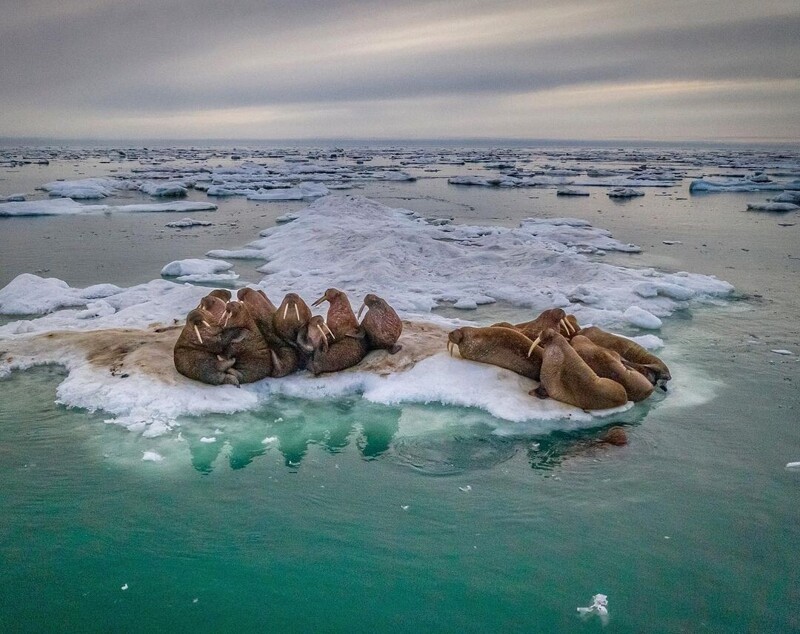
(624, 192)
(571, 191)
(740, 185)
(83, 189)
(599, 606)
(178, 205)
(782, 351)
(149, 456)
(29, 294)
(195, 266)
(641, 318)
(67, 206)
(169, 189)
(788, 197)
(772, 206)
(189, 222)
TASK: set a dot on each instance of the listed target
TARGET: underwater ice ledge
(360, 246)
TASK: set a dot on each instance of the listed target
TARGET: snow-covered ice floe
(67, 206)
(359, 246)
(772, 206)
(742, 185)
(198, 270)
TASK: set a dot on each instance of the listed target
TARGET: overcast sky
(261, 69)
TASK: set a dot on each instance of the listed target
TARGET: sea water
(345, 514)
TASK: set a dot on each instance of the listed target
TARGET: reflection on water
(429, 439)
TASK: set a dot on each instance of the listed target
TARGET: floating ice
(573, 232)
(168, 189)
(793, 465)
(189, 222)
(195, 266)
(788, 197)
(599, 605)
(772, 206)
(782, 351)
(149, 456)
(641, 318)
(571, 191)
(29, 294)
(624, 192)
(740, 185)
(84, 189)
(67, 206)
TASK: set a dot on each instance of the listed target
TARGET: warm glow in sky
(260, 69)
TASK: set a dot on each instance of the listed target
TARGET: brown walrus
(197, 353)
(554, 318)
(340, 319)
(381, 323)
(633, 355)
(259, 306)
(291, 316)
(221, 293)
(503, 347)
(243, 341)
(608, 364)
(566, 377)
(340, 355)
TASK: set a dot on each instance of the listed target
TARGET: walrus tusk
(227, 318)
(296, 311)
(206, 324)
(285, 310)
(322, 332)
(330, 332)
(197, 332)
(319, 301)
(450, 346)
(361, 310)
(533, 345)
(565, 326)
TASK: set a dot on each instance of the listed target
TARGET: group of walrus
(231, 342)
(585, 367)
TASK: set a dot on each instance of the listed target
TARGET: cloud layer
(302, 69)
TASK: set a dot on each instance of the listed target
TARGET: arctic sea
(439, 501)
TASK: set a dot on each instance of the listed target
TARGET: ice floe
(185, 223)
(83, 189)
(360, 246)
(67, 206)
(772, 206)
(741, 185)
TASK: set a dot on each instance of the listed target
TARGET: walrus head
(315, 335)
(329, 296)
(221, 293)
(293, 304)
(236, 316)
(214, 306)
(197, 320)
(371, 301)
(256, 298)
(454, 339)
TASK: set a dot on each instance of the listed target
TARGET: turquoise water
(345, 515)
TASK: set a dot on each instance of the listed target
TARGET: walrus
(221, 293)
(243, 342)
(503, 347)
(566, 377)
(381, 324)
(291, 316)
(340, 319)
(608, 364)
(633, 355)
(339, 355)
(554, 318)
(259, 306)
(197, 353)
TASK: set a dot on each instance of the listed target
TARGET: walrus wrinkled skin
(633, 355)
(566, 377)
(340, 319)
(197, 353)
(503, 347)
(608, 364)
(340, 355)
(243, 341)
(381, 324)
(291, 316)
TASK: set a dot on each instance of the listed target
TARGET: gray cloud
(150, 59)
